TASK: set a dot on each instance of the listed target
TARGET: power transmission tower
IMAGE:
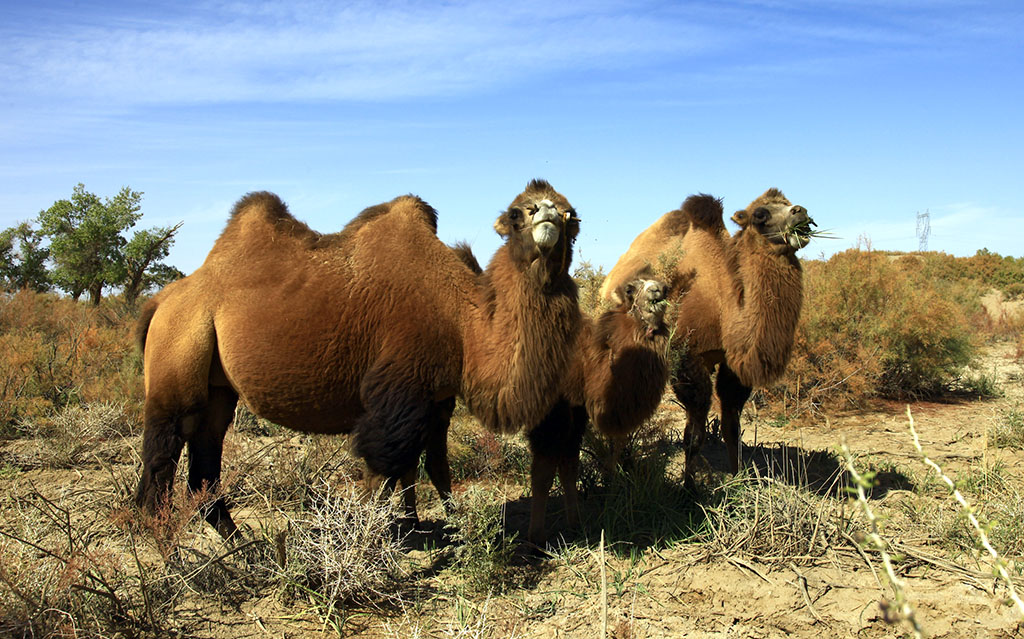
(924, 229)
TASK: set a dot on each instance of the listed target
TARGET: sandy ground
(683, 591)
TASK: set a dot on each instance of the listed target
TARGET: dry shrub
(588, 280)
(62, 575)
(874, 326)
(343, 548)
(55, 352)
(772, 521)
(987, 269)
(77, 434)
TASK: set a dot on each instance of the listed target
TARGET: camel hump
(411, 205)
(704, 211)
(261, 202)
(465, 254)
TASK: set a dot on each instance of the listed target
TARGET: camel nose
(654, 291)
(799, 213)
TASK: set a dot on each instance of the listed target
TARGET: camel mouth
(798, 234)
(653, 306)
(545, 231)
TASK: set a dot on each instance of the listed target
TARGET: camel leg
(161, 447)
(732, 395)
(205, 447)
(692, 386)
(569, 465)
(554, 442)
(437, 452)
(408, 481)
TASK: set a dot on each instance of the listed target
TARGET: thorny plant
(873, 540)
(999, 565)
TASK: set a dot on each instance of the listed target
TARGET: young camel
(741, 311)
(371, 331)
(616, 381)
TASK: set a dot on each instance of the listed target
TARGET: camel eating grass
(741, 310)
(616, 383)
(371, 331)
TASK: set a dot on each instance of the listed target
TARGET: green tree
(23, 259)
(142, 261)
(90, 253)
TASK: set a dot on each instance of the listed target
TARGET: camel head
(540, 224)
(647, 301)
(784, 225)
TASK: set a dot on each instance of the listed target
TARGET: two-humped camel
(741, 310)
(371, 331)
(616, 381)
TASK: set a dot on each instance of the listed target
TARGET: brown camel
(741, 310)
(371, 331)
(616, 380)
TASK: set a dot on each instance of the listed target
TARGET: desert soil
(684, 590)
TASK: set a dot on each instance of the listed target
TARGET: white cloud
(314, 52)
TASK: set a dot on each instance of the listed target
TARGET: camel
(615, 381)
(741, 310)
(371, 331)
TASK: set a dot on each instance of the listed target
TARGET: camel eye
(515, 215)
(760, 215)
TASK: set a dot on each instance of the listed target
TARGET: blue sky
(866, 112)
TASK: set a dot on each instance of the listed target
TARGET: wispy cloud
(318, 52)
(270, 52)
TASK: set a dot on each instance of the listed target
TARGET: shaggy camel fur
(615, 381)
(371, 331)
(741, 311)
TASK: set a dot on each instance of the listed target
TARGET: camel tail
(704, 211)
(142, 325)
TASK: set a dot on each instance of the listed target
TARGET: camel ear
(623, 294)
(741, 217)
(502, 226)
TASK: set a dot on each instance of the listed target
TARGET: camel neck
(759, 327)
(520, 339)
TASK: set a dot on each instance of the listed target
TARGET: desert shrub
(588, 280)
(55, 352)
(874, 326)
(483, 552)
(78, 433)
(987, 269)
(342, 548)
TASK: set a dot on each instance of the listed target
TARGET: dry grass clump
(341, 549)
(1008, 430)
(774, 522)
(77, 435)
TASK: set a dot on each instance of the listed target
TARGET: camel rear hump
(704, 211)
